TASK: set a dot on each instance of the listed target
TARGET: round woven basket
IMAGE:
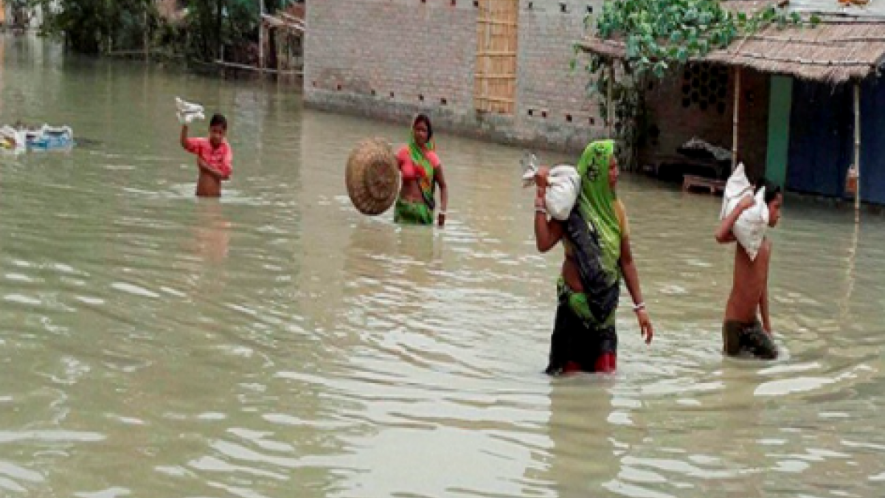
(372, 176)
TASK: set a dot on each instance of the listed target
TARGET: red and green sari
(420, 212)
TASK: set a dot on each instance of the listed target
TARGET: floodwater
(277, 343)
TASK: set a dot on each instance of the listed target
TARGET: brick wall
(391, 58)
(677, 123)
(552, 99)
(391, 52)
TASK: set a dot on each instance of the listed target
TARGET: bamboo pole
(609, 91)
(244, 67)
(857, 149)
(261, 35)
(736, 123)
(146, 37)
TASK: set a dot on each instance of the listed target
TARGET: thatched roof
(839, 49)
(283, 21)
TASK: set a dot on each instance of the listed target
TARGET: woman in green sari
(596, 238)
(421, 172)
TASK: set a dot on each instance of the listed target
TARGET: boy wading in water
(214, 156)
(742, 332)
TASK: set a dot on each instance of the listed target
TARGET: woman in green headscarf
(421, 171)
(596, 237)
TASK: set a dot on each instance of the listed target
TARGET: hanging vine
(658, 36)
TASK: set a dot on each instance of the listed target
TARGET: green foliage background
(96, 26)
(661, 36)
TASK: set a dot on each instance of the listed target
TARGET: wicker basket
(372, 176)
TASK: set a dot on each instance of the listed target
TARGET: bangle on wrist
(541, 210)
(639, 307)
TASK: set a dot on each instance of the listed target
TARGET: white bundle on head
(187, 112)
(750, 227)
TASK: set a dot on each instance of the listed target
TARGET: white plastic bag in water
(751, 226)
(16, 138)
(564, 185)
(187, 112)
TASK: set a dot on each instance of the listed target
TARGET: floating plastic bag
(187, 112)
(50, 138)
(564, 186)
(12, 139)
(751, 226)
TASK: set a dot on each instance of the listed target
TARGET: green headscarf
(596, 202)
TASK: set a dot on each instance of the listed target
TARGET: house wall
(872, 128)
(392, 58)
(675, 116)
(822, 139)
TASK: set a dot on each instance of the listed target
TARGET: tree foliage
(93, 26)
(87, 25)
(660, 35)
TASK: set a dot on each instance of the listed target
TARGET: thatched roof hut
(842, 47)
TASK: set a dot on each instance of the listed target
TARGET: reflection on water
(154, 344)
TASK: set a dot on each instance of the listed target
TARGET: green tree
(89, 25)
(659, 36)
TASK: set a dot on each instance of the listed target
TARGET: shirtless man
(742, 332)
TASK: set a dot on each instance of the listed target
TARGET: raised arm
(723, 234)
(183, 136)
(548, 232)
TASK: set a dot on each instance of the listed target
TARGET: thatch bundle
(839, 49)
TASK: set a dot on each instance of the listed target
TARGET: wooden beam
(498, 53)
(608, 114)
(146, 36)
(261, 36)
(245, 67)
(857, 149)
(735, 125)
(495, 76)
(500, 100)
(495, 22)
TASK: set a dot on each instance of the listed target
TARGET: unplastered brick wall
(412, 52)
(391, 58)
(551, 97)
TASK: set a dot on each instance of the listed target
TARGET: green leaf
(682, 55)
(660, 69)
(703, 47)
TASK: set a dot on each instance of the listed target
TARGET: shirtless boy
(742, 332)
